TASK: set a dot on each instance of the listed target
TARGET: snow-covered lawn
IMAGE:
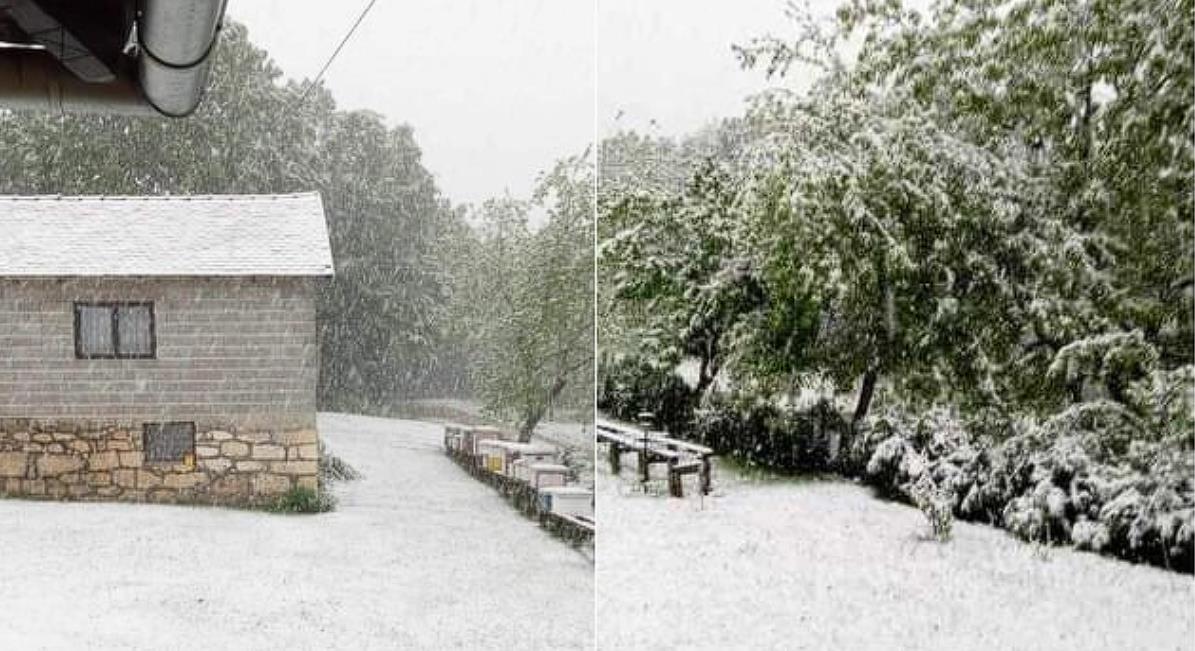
(824, 565)
(419, 555)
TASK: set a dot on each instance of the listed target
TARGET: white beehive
(567, 500)
(454, 435)
(475, 435)
(491, 456)
(500, 455)
(544, 475)
(518, 469)
(542, 455)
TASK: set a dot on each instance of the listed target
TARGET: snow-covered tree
(525, 299)
(671, 259)
(1096, 98)
(919, 252)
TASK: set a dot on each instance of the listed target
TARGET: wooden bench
(678, 470)
(656, 447)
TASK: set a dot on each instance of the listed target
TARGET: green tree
(921, 251)
(1096, 99)
(671, 260)
(527, 299)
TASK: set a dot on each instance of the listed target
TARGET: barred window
(166, 442)
(114, 331)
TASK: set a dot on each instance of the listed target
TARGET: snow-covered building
(160, 348)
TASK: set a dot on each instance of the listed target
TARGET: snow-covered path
(418, 556)
(824, 565)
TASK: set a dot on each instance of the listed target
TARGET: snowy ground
(812, 564)
(419, 555)
(577, 439)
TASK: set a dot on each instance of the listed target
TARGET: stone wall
(82, 461)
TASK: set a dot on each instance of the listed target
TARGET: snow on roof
(566, 490)
(480, 429)
(199, 235)
(515, 446)
(549, 467)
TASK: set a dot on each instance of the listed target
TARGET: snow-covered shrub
(1118, 515)
(1168, 399)
(1160, 529)
(758, 433)
(900, 448)
(1090, 536)
(885, 462)
(737, 426)
(1104, 428)
(935, 503)
(1098, 475)
(1040, 515)
(332, 468)
(632, 385)
(1106, 364)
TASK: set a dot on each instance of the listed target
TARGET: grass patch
(300, 499)
(304, 500)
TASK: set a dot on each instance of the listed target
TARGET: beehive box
(544, 475)
(501, 455)
(490, 455)
(542, 456)
(474, 435)
(453, 435)
(521, 467)
(567, 500)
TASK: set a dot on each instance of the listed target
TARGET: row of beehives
(514, 466)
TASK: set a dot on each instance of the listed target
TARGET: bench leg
(615, 459)
(676, 488)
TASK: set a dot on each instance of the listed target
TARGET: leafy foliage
(674, 258)
(631, 386)
(523, 299)
(983, 224)
(1094, 475)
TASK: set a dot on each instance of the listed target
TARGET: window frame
(115, 307)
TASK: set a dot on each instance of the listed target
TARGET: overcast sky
(670, 61)
(496, 90)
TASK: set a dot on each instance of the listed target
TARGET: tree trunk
(705, 378)
(709, 368)
(536, 412)
(846, 440)
(866, 392)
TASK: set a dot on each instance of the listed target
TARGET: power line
(335, 52)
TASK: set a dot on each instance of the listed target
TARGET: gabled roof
(208, 235)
